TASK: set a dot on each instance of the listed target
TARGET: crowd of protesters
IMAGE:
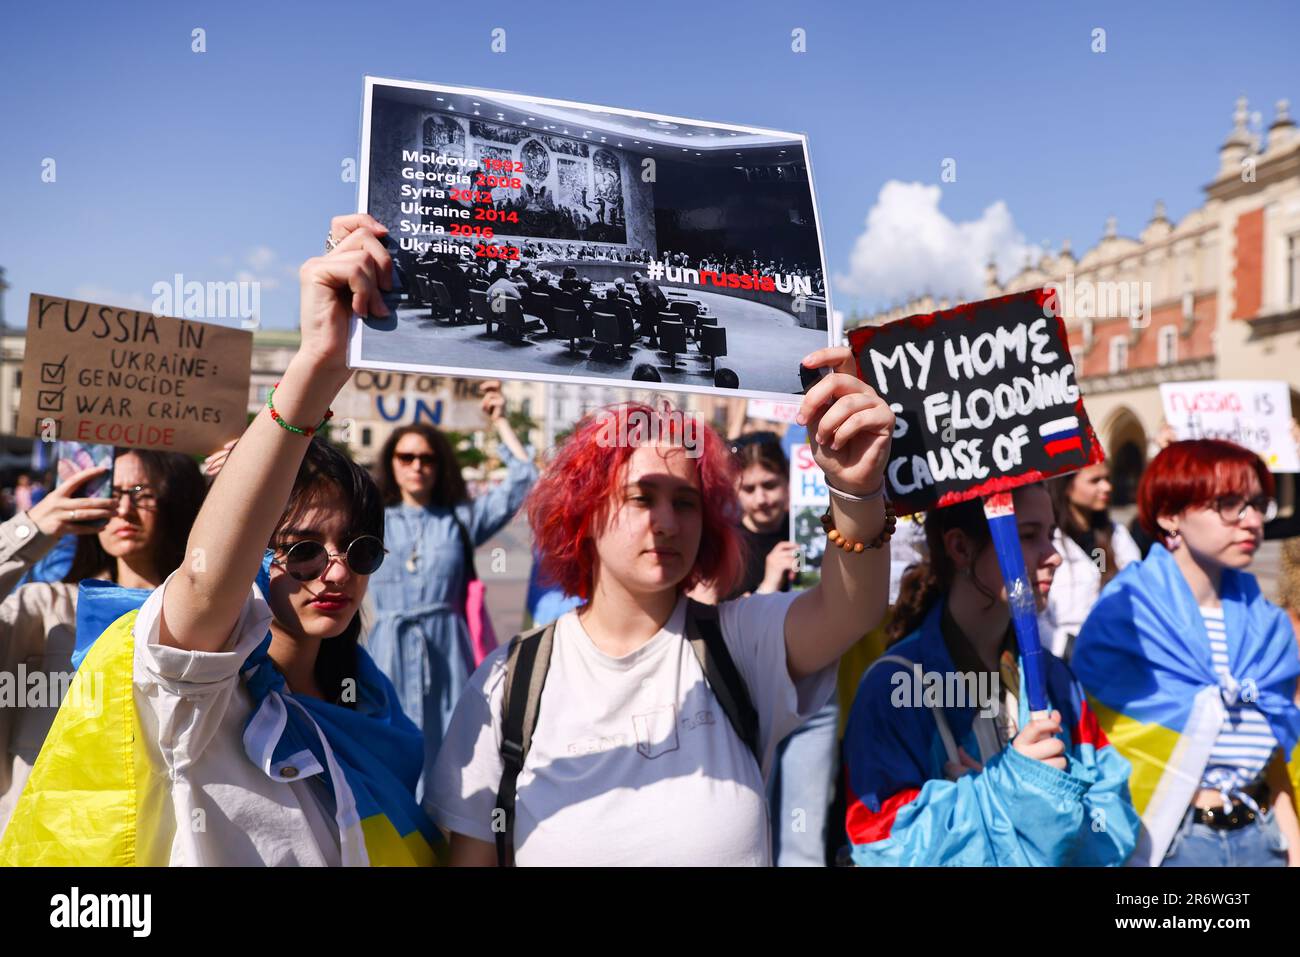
(295, 651)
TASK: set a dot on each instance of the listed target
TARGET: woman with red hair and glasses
(1194, 672)
(654, 719)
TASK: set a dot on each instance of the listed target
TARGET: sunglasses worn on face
(1232, 508)
(409, 458)
(307, 560)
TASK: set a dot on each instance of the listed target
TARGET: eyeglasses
(424, 458)
(308, 560)
(1232, 508)
(141, 496)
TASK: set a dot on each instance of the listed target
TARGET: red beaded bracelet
(275, 416)
(835, 537)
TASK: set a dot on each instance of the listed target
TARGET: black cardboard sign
(985, 398)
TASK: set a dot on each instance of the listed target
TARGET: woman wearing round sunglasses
(421, 637)
(259, 715)
(134, 536)
(1194, 672)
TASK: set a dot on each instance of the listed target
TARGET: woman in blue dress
(421, 638)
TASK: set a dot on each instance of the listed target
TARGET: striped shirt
(1246, 741)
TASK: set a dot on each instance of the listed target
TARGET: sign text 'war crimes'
(984, 396)
(117, 376)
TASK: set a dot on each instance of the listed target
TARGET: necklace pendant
(412, 564)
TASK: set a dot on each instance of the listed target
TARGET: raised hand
(345, 281)
(779, 566)
(212, 464)
(62, 512)
(849, 426)
(494, 403)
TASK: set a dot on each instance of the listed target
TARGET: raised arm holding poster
(106, 375)
(985, 400)
(557, 241)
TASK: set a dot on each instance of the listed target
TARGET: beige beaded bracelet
(835, 537)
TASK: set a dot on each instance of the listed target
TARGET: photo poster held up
(985, 400)
(809, 498)
(556, 241)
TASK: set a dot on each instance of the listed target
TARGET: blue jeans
(1259, 844)
(801, 789)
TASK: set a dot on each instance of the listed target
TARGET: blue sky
(227, 163)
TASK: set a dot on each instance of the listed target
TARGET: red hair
(1194, 473)
(581, 486)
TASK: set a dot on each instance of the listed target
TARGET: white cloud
(264, 267)
(910, 247)
(266, 282)
(260, 257)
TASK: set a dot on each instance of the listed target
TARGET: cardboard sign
(101, 374)
(771, 411)
(985, 399)
(1254, 415)
(809, 497)
(549, 240)
(402, 398)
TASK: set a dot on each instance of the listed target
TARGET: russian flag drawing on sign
(1061, 435)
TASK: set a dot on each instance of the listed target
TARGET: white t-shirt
(633, 761)
(1076, 586)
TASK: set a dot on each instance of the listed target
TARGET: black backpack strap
(527, 662)
(704, 633)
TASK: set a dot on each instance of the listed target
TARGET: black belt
(1240, 814)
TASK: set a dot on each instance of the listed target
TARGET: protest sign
(1255, 415)
(101, 374)
(984, 396)
(809, 498)
(401, 398)
(557, 241)
(771, 411)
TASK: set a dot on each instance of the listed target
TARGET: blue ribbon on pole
(1001, 515)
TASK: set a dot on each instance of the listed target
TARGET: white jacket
(1076, 585)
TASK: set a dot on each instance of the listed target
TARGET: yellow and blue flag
(85, 804)
(1143, 657)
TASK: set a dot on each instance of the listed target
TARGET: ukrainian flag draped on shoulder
(904, 808)
(84, 801)
(1143, 657)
